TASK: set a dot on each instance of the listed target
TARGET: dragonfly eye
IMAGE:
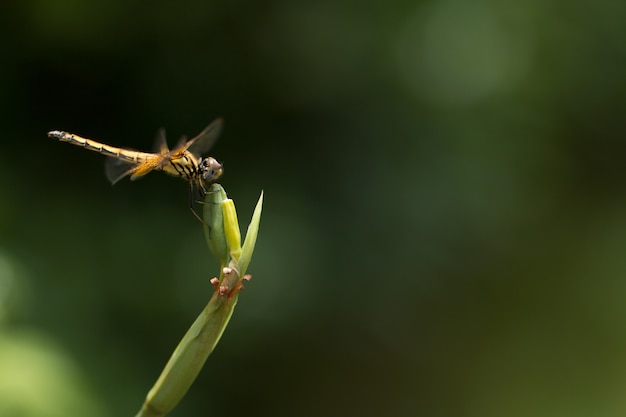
(211, 169)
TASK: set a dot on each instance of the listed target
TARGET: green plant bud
(214, 223)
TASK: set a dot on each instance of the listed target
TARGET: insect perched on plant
(183, 161)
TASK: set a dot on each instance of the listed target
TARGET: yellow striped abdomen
(92, 145)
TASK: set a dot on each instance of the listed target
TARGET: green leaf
(251, 234)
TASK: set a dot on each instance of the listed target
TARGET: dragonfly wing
(145, 167)
(182, 143)
(116, 169)
(160, 144)
(203, 142)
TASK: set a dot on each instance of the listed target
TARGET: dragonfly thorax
(210, 169)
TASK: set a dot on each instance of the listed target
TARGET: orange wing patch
(145, 167)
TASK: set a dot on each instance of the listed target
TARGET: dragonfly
(184, 161)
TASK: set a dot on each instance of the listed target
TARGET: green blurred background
(444, 224)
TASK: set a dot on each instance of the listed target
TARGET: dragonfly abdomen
(92, 145)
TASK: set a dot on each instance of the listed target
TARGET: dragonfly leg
(191, 201)
(202, 191)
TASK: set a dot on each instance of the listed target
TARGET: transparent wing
(116, 169)
(182, 143)
(205, 140)
(160, 143)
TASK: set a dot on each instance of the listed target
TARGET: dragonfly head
(210, 169)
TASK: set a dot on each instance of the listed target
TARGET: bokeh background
(444, 228)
